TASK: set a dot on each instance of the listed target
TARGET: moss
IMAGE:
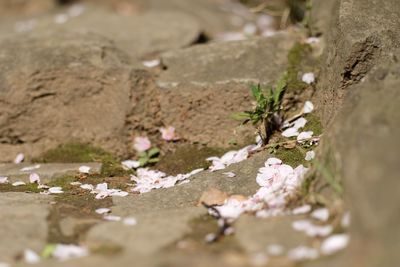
(187, 158)
(293, 157)
(80, 153)
(106, 249)
(28, 188)
(313, 124)
(72, 153)
(295, 58)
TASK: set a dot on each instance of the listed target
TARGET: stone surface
(258, 60)
(47, 172)
(155, 229)
(61, 87)
(23, 223)
(357, 40)
(256, 234)
(366, 141)
(10, 8)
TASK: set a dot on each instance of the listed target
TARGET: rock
(258, 60)
(23, 223)
(60, 87)
(356, 42)
(365, 136)
(139, 36)
(10, 8)
(187, 195)
(205, 85)
(255, 234)
(47, 172)
(154, 230)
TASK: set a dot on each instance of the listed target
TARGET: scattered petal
(30, 168)
(84, 169)
(31, 257)
(141, 144)
(302, 253)
(301, 210)
(229, 174)
(290, 132)
(66, 252)
(304, 136)
(130, 221)
(313, 40)
(308, 78)
(4, 180)
(151, 63)
(345, 222)
(321, 214)
(168, 133)
(112, 218)
(18, 183)
(55, 190)
(75, 183)
(34, 178)
(130, 164)
(308, 107)
(19, 158)
(61, 18)
(103, 211)
(334, 244)
(310, 155)
(275, 250)
(87, 186)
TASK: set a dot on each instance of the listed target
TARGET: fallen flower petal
(308, 107)
(229, 174)
(87, 186)
(130, 221)
(302, 210)
(275, 250)
(18, 183)
(55, 190)
(112, 218)
(290, 132)
(334, 244)
(102, 210)
(34, 178)
(84, 169)
(130, 164)
(168, 133)
(141, 144)
(151, 63)
(30, 168)
(302, 253)
(4, 180)
(66, 252)
(304, 136)
(310, 155)
(19, 158)
(321, 214)
(31, 256)
(308, 78)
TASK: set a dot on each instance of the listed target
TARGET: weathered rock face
(356, 41)
(60, 87)
(362, 76)
(204, 85)
(23, 223)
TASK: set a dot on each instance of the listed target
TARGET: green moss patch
(28, 188)
(295, 57)
(313, 124)
(293, 157)
(187, 158)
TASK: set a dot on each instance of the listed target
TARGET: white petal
(129, 221)
(30, 168)
(321, 214)
(229, 174)
(305, 135)
(55, 190)
(87, 186)
(67, 252)
(273, 161)
(18, 183)
(308, 107)
(131, 164)
(151, 63)
(290, 132)
(103, 211)
(84, 169)
(308, 78)
(34, 178)
(303, 253)
(302, 210)
(299, 123)
(31, 256)
(19, 158)
(4, 180)
(334, 244)
(310, 155)
(112, 218)
(345, 222)
(275, 250)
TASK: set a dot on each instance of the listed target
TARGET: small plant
(149, 157)
(267, 115)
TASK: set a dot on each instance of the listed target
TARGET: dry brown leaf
(213, 196)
